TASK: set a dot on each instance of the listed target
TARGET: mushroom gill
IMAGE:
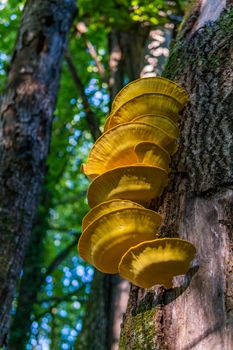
(145, 104)
(156, 262)
(108, 153)
(138, 183)
(106, 207)
(104, 241)
(150, 85)
(149, 153)
(162, 122)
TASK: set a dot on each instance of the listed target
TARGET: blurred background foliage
(50, 303)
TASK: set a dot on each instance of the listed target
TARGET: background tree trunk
(197, 313)
(109, 295)
(25, 123)
(32, 272)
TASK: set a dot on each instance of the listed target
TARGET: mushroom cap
(162, 122)
(149, 153)
(106, 207)
(157, 261)
(138, 183)
(145, 104)
(116, 146)
(150, 85)
(104, 242)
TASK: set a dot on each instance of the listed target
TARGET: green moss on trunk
(141, 329)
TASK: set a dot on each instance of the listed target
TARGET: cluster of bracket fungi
(129, 166)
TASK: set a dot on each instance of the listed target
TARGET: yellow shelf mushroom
(162, 122)
(150, 85)
(145, 104)
(107, 207)
(116, 147)
(149, 153)
(104, 242)
(157, 262)
(138, 183)
(129, 166)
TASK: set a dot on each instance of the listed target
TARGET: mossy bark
(198, 204)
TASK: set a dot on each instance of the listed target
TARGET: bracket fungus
(138, 183)
(149, 153)
(145, 104)
(150, 85)
(129, 166)
(105, 241)
(107, 207)
(108, 153)
(162, 122)
(157, 262)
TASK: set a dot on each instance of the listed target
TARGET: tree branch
(91, 117)
(82, 29)
(57, 300)
(63, 229)
(59, 258)
(70, 199)
(64, 297)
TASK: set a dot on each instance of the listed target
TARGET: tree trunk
(197, 313)
(32, 276)
(26, 117)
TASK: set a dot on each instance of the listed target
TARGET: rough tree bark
(32, 276)
(197, 313)
(25, 122)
